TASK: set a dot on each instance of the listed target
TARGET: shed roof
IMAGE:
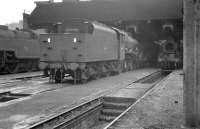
(106, 10)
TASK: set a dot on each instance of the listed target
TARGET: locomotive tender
(85, 50)
(19, 51)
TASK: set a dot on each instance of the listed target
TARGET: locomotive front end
(169, 57)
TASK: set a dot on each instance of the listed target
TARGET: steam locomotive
(19, 50)
(87, 50)
(170, 56)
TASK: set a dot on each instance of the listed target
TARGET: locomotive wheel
(28, 66)
(32, 65)
(58, 76)
(84, 76)
(57, 80)
(81, 76)
(35, 66)
(12, 68)
(46, 72)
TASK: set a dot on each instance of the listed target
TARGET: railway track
(14, 88)
(19, 77)
(88, 114)
(115, 123)
(8, 82)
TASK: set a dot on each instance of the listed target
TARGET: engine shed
(147, 27)
(139, 17)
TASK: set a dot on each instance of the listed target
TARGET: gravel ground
(161, 109)
(40, 106)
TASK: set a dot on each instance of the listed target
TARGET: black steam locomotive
(19, 50)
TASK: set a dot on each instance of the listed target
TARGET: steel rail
(152, 88)
(47, 123)
(71, 113)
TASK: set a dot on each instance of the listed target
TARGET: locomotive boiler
(19, 51)
(85, 50)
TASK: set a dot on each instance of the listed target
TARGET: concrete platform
(132, 91)
(40, 106)
(161, 109)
